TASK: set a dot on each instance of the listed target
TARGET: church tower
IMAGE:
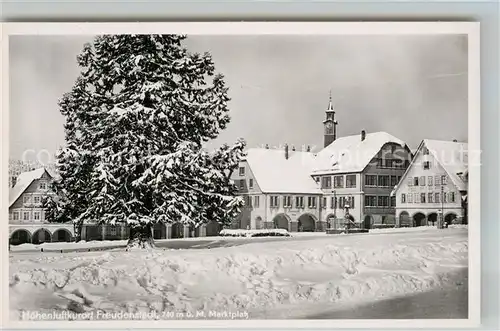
(330, 124)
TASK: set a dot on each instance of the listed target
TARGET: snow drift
(255, 278)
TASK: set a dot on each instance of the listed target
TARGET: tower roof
(330, 105)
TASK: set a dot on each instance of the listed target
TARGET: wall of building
(386, 177)
(427, 185)
(30, 208)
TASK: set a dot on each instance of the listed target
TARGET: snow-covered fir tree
(136, 120)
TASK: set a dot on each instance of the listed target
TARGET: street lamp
(441, 225)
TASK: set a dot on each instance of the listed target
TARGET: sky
(413, 87)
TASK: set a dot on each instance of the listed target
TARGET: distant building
(305, 191)
(435, 185)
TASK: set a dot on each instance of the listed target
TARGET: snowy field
(280, 279)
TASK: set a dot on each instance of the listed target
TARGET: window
(36, 199)
(383, 201)
(422, 197)
(326, 182)
(452, 197)
(410, 198)
(403, 198)
(445, 200)
(26, 216)
(250, 183)
(422, 180)
(429, 180)
(427, 165)
(256, 201)
(436, 196)
(443, 179)
(249, 201)
(341, 202)
(426, 151)
(333, 202)
(36, 216)
(299, 202)
(383, 181)
(311, 202)
(399, 179)
(242, 171)
(338, 181)
(10, 216)
(436, 181)
(430, 197)
(350, 181)
(410, 181)
(15, 216)
(417, 198)
(112, 230)
(394, 181)
(43, 186)
(26, 199)
(370, 201)
(275, 203)
(371, 180)
(415, 181)
(287, 201)
(351, 202)
(242, 184)
(323, 205)
(393, 201)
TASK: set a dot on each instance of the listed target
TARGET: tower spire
(330, 103)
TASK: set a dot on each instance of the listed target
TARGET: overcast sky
(413, 87)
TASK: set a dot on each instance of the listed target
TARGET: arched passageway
(450, 218)
(40, 236)
(159, 230)
(61, 235)
(19, 237)
(281, 221)
(432, 218)
(404, 219)
(213, 229)
(419, 219)
(177, 230)
(306, 223)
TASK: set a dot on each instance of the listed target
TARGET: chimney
(308, 148)
(455, 141)
(293, 148)
(286, 151)
(267, 146)
(363, 135)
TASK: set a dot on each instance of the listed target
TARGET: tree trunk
(140, 236)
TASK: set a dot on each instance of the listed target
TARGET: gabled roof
(275, 174)
(452, 156)
(351, 154)
(24, 180)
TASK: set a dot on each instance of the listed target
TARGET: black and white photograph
(184, 176)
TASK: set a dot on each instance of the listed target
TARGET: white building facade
(435, 186)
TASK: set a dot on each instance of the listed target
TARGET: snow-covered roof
(276, 174)
(452, 156)
(24, 180)
(351, 154)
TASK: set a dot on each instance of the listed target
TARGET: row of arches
(420, 219)
(22, 236)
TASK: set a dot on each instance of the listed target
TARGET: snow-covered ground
(279, 279)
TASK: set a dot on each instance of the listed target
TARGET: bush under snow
(254, 233)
